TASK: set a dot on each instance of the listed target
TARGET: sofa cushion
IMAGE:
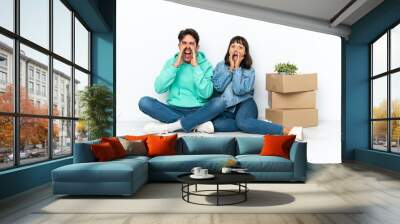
(159, 145)
(135, 147)
(277, 145)
(116, 145)
(185, 163)
(257, 163)
(249, 145)
(103, 152)
(111, 171)
(198, 145)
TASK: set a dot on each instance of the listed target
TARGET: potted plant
(286, 68)
(96, 102)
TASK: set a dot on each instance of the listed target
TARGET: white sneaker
(155, 128)
(298, 131)
(206, 127)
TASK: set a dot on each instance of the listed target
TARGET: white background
(147, 37)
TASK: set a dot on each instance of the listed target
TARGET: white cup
(196, 171)
(226, 170)
(203, 172)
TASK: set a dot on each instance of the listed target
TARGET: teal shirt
(187, 86)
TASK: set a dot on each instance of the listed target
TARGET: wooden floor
(377, 188)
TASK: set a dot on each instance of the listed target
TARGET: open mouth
(235, 56)
(187, 53)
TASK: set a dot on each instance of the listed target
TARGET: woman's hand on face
(238, 61)
(179, 59)
(231, 62)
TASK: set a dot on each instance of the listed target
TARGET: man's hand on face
(179, 59)
(194, 57)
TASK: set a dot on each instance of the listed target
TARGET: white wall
(147, 37)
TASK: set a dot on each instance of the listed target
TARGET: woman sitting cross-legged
(234, 79)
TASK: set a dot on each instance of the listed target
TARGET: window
(43, 77)
(44, 91)
(3, 61)
(35, 21)
(37, 89)
(6, 72)
(30, 72)
(385, 94)
(62, 137)
(33, 148)
(6, 142)
(45, 131)
(3, 78)
(7, 14)
(81, 45)
(37, 75)
(62, 31)
(62, 75)
(81, 81)
(30, 87)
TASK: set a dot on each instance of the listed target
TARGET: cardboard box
(298, 100)
(291, 83)
(293, 117)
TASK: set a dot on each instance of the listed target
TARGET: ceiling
(327, 16)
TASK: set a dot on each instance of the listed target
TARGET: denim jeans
(245, 119)
(190, 117)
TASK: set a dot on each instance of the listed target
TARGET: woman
(234, 79)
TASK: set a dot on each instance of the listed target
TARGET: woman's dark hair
(247, 61)
(190, 32)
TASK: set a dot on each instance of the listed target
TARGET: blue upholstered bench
(125, 176)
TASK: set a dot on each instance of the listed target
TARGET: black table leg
(217, 194)
(245, 193)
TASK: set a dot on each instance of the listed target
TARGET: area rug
(166, 198)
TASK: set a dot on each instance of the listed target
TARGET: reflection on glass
(81, 81)
(379, 55)
(62, 29)
(395, 136)
(62, 138)
(81, 45)
(379, 97)
(34, 96)
(379, 135)
(6, 75)
(395, 94)
(33, 140)
(81, 131)
(395, 47)
(6, 142)
(62, 89)
(7, 14)
(35, 21)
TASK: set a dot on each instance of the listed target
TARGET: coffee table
(238, 179)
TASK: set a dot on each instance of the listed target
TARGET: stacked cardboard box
(292, 99)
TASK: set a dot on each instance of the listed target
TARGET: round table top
(220, 178)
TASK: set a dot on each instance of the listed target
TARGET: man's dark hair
(247, 61)
(190, 32)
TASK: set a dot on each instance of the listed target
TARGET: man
(187, 78)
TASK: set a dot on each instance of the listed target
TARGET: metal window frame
(388, 74)
(16, 114)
